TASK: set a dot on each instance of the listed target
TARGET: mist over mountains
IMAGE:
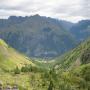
(43, 37)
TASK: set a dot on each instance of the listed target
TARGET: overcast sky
(71, 10)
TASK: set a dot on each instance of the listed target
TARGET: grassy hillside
(73, 57)
(17, 70)
(69, 72)
(9, 58)
(73, 68)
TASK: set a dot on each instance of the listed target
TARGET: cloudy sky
(71, 10)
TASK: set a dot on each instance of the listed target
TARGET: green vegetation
(9, 58)
(85, 57)
(68, 72)
(16, 70)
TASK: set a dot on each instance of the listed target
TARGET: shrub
(85, 58)
(16, 70)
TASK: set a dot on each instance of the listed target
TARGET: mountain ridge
(43, 37)
(37, 36)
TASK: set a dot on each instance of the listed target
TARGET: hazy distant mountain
(81, 30)
(37, 36)
(66, 24)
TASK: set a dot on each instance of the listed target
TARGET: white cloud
(72, 10)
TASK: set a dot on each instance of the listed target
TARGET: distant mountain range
(43, 37)
(81, 30)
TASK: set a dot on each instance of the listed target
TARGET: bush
(85, 58)
(50, 86)
(16, 70)
(26, 68)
